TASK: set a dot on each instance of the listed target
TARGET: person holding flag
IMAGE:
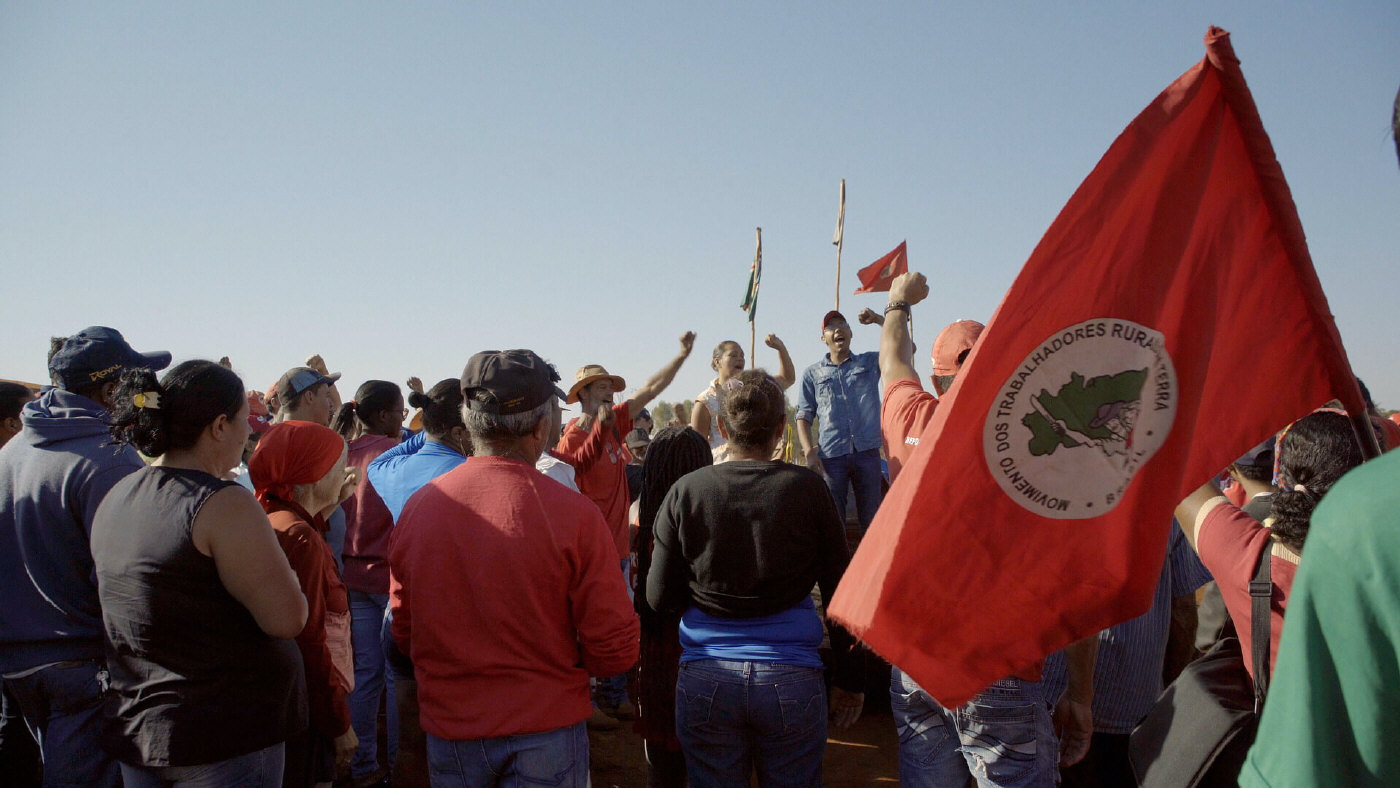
(940, 745)
(1132, 321)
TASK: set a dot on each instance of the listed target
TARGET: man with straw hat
(602, 471)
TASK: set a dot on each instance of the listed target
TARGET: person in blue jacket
(53, 475)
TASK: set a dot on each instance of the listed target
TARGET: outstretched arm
(896, 347)
(657, 383)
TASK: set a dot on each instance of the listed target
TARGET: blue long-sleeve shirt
(401, 471)
(846, 397)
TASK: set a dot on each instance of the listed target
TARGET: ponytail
(441, 406)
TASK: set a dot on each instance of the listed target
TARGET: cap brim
(155, 360)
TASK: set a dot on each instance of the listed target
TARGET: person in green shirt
(1333, 712)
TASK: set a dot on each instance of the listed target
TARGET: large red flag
(1169, 319)
(876, 277)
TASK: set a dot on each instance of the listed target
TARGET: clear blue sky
(397, 186)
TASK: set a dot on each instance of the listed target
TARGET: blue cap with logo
(98, 354)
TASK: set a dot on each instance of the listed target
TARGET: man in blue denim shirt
(843, 392)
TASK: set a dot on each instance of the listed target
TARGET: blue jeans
(371, 682)
(612, 690)
(1003, 737)
(737, 717)
(862, 471)
(555, 758)
(261, 769)
(62, 705)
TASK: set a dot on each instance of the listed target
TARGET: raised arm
(787, 373)
(700, 418)
(657, 383)
(232, 529)
(896, 347)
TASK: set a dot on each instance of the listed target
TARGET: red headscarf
(292, 453)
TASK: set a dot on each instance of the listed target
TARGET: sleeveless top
(719, 444)
(194, 680)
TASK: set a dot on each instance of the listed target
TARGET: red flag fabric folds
(876, 277)
(1169, 320)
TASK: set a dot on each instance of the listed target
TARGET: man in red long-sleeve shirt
(508, 592)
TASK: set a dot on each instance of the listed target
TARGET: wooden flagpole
(839, 240)
(758, 274)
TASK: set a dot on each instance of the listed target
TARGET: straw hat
(589, 374)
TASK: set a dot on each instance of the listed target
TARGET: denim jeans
(261, 769)
(1003, 737)
(737, 717)
(612, 690)
(62, 705)
(371, 683)
(554, 758)
(862, 471)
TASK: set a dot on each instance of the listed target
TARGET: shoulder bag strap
(1261, 592)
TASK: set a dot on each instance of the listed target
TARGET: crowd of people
(210, 585)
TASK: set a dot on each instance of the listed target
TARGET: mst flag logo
(1081, 414)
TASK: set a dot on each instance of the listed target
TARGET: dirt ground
(867, 754)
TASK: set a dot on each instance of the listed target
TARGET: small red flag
(876, 277)
(1105, 388)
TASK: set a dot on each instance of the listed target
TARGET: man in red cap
(925, 760)
(907, 408)
(842, 393)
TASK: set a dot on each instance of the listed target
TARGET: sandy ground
(867, 754)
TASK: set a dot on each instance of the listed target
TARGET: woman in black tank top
(198, 601)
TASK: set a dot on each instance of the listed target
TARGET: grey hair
(491, 432)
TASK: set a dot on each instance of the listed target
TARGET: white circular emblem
(1077, 419)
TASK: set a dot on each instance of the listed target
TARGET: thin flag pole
(838, 239)
(758, 266)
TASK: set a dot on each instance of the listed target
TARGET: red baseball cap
(833, 315)
(952, 342)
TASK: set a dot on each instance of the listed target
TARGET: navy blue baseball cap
(508, 381)
(1261, 456)
(98, 354)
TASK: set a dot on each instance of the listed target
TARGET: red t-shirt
(367, 522)
(1230, 542)
(601, 470)
(506, 596)
(905, 412)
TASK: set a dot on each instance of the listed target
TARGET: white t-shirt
(556, 469)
